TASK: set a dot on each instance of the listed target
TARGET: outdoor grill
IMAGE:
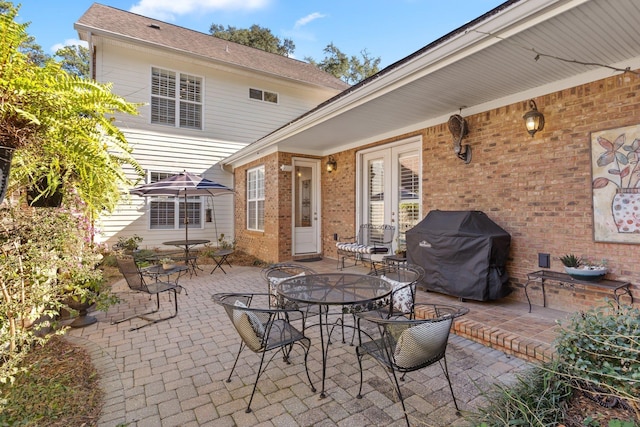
(463, 253)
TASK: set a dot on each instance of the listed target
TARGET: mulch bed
(60, 389)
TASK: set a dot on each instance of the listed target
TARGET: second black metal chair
(276, 273)
(404, 278)
(403, 345)
(263, 330)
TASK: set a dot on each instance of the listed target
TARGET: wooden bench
(618, 287)
(371, 244)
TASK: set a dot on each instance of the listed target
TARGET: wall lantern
(533, 119)
(332, 165)
(458, 128)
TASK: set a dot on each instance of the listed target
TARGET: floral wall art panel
(615, 165)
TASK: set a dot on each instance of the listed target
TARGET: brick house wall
(538, 189)
(274, 243)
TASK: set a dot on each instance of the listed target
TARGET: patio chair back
(132, 274)
(135, 281)
(275, 274)
(404, 279)
(262, 330)
(405, 345)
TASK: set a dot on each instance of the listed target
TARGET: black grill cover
(463, 253)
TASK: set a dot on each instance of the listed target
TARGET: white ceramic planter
(586, 273)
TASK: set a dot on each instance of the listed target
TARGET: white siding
(230, 121)
(158, 152)
(228, 113)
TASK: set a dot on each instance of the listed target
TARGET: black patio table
(186, 245)
(337, 289)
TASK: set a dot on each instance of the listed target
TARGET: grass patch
(60, 388)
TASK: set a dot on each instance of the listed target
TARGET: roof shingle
(109, 21)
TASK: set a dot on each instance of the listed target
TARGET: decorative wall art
(615, 169)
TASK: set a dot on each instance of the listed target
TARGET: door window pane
(376, 196)
(303, 190)
(409, 195)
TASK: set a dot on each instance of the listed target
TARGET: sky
(388, 29)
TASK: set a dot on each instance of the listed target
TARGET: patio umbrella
(183, 184)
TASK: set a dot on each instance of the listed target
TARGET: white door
(389, 188)
(306, 202)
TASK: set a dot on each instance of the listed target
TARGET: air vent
(154, 26)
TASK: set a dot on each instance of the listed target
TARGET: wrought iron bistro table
(333, 289)
(186, 245)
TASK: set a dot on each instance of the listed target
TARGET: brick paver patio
(173, 373)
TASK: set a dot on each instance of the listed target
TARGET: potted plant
(583, 268)
(401, 251)
(167, 263)
(84, 286)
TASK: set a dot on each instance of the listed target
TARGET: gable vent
(154, 26)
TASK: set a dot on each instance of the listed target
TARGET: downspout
(92, 61)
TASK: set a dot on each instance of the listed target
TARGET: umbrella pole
(186, 229)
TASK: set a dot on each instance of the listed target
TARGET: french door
(389, 188)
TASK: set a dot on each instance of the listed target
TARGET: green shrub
(536, 399)
(128, 244)
(601, 348)
(597, 350)
(144, 257)
(110, 260)
(46, 258)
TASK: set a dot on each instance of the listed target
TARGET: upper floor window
(263, 95)
(255, 199)
(167, 212)
(176, 99)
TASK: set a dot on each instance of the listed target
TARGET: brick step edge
(507, 342)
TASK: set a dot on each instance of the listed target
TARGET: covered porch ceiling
(520, 50)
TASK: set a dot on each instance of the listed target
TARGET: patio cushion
(273, 291)
(402, 298)
(361, 249)
(249, 327)
(418, 344)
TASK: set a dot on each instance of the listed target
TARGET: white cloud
(305, 20)
(167, 10)
(67, 42)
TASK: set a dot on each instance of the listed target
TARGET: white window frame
(195, 210)
(255, 198)
(263, 95)
(183, 102)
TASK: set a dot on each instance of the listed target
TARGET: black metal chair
(401, 302)
(136, 282)
(263, 330)
(404, 279)
(406, 345)
(276, 273)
